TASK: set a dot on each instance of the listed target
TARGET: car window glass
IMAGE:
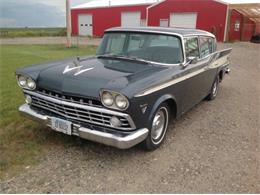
(116, 43)
(151, 47)
(135, 42)
(164, 41)
(192, 47)
(206, 46)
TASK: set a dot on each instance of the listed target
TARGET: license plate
(61, 125)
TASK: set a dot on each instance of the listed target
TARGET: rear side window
(192, 47)
(206, 46)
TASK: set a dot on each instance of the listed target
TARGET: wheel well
(221, 75)
(173, 107)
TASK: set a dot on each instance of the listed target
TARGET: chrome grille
(70, 98)
(81, 113)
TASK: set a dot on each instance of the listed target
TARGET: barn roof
(113, 3)
(250, 10)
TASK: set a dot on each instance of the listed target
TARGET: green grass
(21, 140)
(31, 32)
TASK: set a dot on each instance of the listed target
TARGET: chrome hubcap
(215, 89)
(159, 124)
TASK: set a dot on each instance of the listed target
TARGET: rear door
(207, 56)
(200, 76)
(197, 79)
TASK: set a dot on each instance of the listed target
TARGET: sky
(34, 13)
(45, 13)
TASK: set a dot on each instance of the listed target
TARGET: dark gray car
(139, 80)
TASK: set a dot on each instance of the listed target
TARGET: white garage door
(183, 20)
(85, 25)
(130, 19)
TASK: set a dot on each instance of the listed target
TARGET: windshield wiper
(122, 57)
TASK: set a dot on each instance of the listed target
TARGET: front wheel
(159, 127)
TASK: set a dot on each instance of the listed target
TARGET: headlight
(121, 102)
(22, 81)
(26, 82)
(107, 98)
(114, 100)
(30, 83)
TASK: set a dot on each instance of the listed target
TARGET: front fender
(158, 102)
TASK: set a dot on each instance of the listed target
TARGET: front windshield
(158, 48)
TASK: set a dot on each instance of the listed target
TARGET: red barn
(227, 22)
(95, 17)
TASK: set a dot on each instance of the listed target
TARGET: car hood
(86, 77)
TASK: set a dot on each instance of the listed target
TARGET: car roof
(164, 30)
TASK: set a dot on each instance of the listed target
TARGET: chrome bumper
(118, 141)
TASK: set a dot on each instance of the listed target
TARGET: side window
(192, 47)
(206, 46)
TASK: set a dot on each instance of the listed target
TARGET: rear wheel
(159, 127)
(214, 90)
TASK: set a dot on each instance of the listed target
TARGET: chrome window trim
(94, 109)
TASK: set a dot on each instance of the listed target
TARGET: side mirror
(192, 60)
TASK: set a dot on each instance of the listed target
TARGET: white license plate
(61, 125)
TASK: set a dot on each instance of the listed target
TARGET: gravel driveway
(214, 148)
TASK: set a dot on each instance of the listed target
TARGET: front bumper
(116, 140)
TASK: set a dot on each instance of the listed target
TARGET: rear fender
(221, 61)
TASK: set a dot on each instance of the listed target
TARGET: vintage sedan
(139, 79)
